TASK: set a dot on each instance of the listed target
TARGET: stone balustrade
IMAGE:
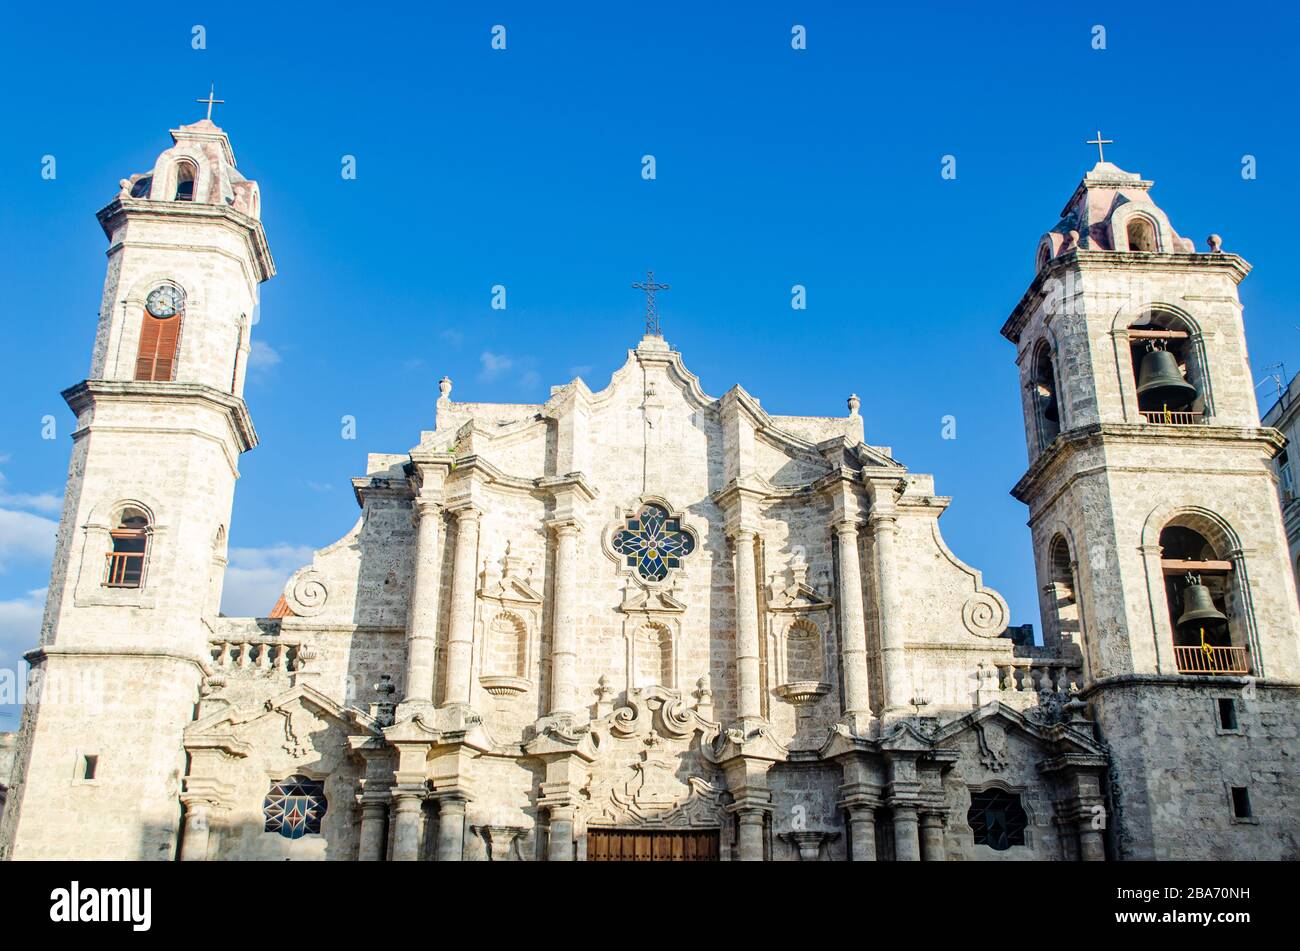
(269, 654)
(1037, 675)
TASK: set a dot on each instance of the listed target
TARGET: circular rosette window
(653, 542)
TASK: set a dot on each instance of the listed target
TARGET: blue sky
(522, 167)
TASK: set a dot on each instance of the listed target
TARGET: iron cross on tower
(1099, 142)
(651, 314)
(211, 101)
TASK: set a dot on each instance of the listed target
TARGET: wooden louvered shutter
(157, 354)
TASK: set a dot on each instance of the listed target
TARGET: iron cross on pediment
(651, 312)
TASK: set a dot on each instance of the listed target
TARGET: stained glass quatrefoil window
(295, 807)
(653, 541)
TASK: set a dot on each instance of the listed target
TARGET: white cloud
(20, 628)
(262, 356)
(320, 486)
(41, 501)
(255, 577)
(453, 337)
(26, 536)
(583, 371)
(494, 364)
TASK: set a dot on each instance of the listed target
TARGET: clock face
(164, 301)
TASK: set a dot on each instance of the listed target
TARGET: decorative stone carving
(808, 845)
(635, 778)
(502, 841)
(799, 622)
(993, 745)
(510, 616)
(306, 592)
(984, 614)
(652, 632)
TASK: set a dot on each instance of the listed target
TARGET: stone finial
(444, 388)
(704, 697)
(1216, 244)
(604, 697)
(125, 188)
(854, 403)
(604, 692)
(1071, 240)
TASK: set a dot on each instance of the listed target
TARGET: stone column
(422, 622)
(564, 626)
(451, 829)
(1164, 660)
(891, 615)
(374, 812)
(460, 630)
(194, 843)
(408, 810)
(853, 638)
(750, 840)
(749, 693)
(559, 844)
(907, 846)
(1091, 846)
(862, 833)
(932, 843)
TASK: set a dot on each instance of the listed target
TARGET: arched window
(1168, 369)
(1141, 234)
(654, 656)
(1205, 611)
(186, 173)
(803, 652)
(160, 334)
(1044, 255)
(295, 807)
(1047, 410)
(1062, 594)
(129, 550)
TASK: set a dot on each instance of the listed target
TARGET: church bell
(1198, 607)
(1161, 384)
(1050, 412)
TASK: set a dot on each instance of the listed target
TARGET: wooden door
(635, 845)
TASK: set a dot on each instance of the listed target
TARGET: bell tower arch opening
(1047, 408)
(1141, 233)
(1169, 368)
(1206, 612)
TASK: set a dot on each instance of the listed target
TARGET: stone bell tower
(160, 426)
(1156, 527)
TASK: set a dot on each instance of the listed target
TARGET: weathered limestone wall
(91, 705)
(1173, 765)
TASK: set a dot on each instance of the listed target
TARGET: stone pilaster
(407, 819)
(907, 845)
(892, 650)
(460, 630)
(422, 622)
(450, 846)
(564, 624)
(862, 833)
(933, 848)
(853, 637)
(749, 708)
(749, 840)
(374, 821)
(559, 843)
(196, 837)
(1083, 805)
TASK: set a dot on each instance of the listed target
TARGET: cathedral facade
(642, 622)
